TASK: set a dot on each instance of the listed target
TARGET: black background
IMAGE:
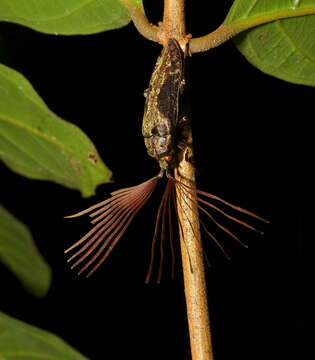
(250, 134)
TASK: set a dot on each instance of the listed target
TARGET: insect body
(163, 135)
(160, 120)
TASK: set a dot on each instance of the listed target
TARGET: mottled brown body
(166, 130)
(161, 113)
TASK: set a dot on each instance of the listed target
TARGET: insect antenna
(113, 218)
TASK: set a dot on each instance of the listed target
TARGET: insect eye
(168, 158)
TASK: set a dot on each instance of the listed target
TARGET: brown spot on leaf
(92, 157)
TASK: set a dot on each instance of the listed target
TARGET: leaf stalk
(228, 30)
(140, 20)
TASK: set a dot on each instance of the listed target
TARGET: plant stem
(173, 27)
(174, 19)
(193, 268)
(191, 247)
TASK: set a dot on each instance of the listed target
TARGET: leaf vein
(297, 78)
(250, 9)
(292, 42)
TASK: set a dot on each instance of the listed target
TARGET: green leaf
(284, 46)
(284, 49)
(19, 253)
(36, 143)
(248, 10)
(65, 17)
(20, 341)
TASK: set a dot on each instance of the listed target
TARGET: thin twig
(173, 27)
(217, 37)
(174, 19)
(193, 268)
(228, 30)
(191, 247)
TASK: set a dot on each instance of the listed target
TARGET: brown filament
(114, 215)
(202, 224)
(222, 227)
(107, 223)
(131, 213)
(191, 193)
(157, 222)
(170, 225)
(89, 209)
(179, 222)
(187, 217)
(108, 208)
(163, 231)
(116, 223)
(214, 197)
(229, 216)
(117, 226)
(215, 240)
(111, 246)
(219, 225)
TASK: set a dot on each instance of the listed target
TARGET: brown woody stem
(174, 19)
(191, 247)
(173, 27)
(193, 268)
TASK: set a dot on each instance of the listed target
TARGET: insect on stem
(163, 127)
